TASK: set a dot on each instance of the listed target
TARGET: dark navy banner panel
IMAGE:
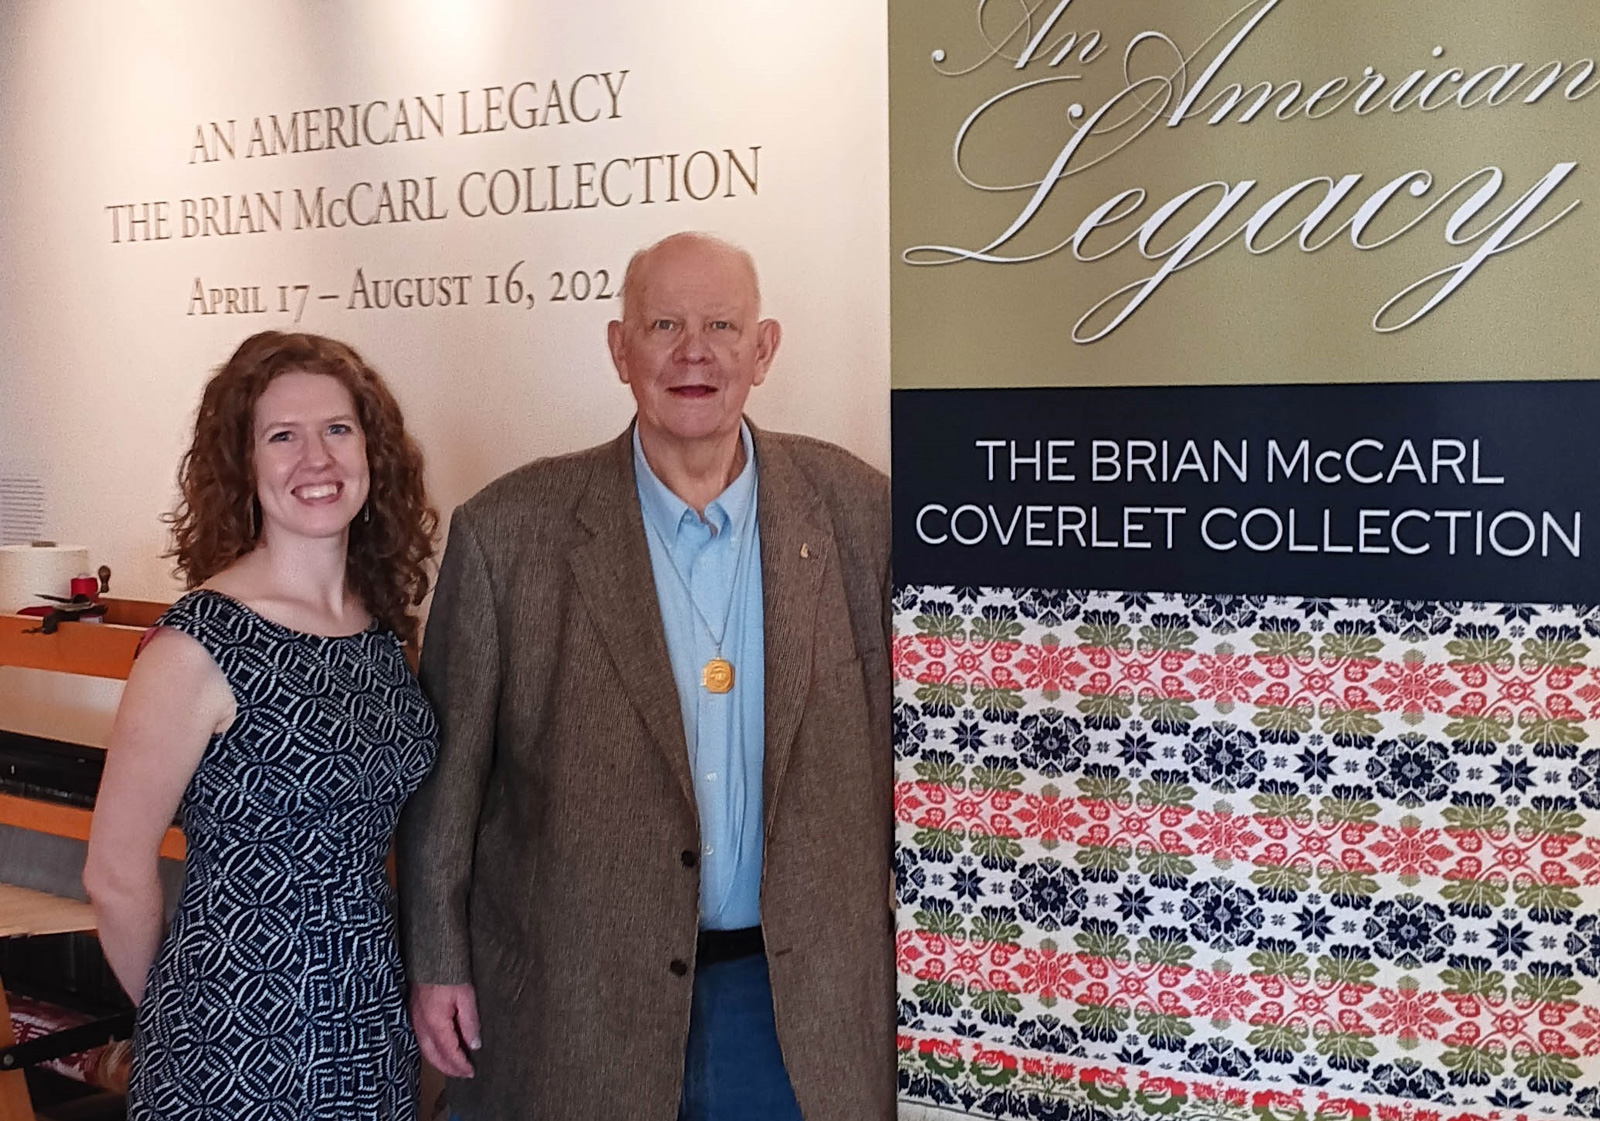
(1455, 491)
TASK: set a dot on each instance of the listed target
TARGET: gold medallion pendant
(717, 676)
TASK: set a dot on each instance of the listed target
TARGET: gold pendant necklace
(716, 676)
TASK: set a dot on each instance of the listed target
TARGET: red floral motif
(1225, 677)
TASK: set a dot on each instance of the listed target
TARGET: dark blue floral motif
(1412, 770)
(966, 883)
(1225, 756)
(1316, 764)
(1135, 748)
(909, 878)
(1050, 607)
(1051, 743)
(1513, 775)
(909, 731)
(1406, 1078)
(1313, 923)
(1048, 895)
(1222, 914)
(1047, 1034)
(1220, 1059)
(1133, 903)
(1416, 619)
(967, 736)
(1583, 945)
(1518, 612)
(1409, 931)
(1225, 613)
(1509, 941)
(1585, 1103)
(1585, 778)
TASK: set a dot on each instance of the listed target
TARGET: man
(653, 859)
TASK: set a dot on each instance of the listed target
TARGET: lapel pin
(805, 551)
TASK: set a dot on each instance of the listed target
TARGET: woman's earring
(255, 529)
(366, 512)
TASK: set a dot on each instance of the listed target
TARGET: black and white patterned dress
(278, 991)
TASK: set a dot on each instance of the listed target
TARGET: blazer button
(679, 967)
(689, 857)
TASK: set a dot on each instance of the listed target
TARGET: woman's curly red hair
(217, 518)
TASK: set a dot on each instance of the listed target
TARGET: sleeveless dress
(278, 991)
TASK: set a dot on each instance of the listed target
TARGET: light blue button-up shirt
(717, 560)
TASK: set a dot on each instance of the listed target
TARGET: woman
(275, 708)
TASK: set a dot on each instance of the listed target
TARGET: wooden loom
(106, 650)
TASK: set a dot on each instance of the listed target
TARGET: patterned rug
(1188, 856)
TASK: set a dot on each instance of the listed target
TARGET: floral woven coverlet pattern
(1246, 857)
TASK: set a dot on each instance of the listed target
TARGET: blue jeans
(733, 1070)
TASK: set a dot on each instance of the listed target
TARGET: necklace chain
(738, 562)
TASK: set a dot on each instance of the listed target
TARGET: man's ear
(768, 335)
(618, 347)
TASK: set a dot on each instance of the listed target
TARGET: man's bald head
(641, 263)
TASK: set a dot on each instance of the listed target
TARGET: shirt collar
(666, 512)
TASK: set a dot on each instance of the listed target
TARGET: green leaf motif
(939, 843)
(1293, 719)
(1474, 981)
(1474, 1066)
(995, 927)
(1546, 988)
(1475, 897)
(994, 850)
(1099, 944)
(1547, 902)
(941, 698)
(1277, 963)
(939, 917)
(1546, 1071)
(1168, 866)
(1107, 860)
(940, 621)
(1480, 650)
(993, 1074)
(1556, 819)
(1165, 638)
(1166, 713)
(1350, 1046)
(1336, 810)
(1290, 807)
(1553, 650)
(985, 777)
(1164, 792)
(1483, 819)
(1556, 735)
(995, 1006)
(1338, 647)
(943, 771)
(1161, 951)
(1165, 1030)
(1097, 785)
(1106, 636)
(1332, 970)
(937, 998)
(1281, 877)
(1106, 707)
(1353, 722)
(1278, 1038)
(1481, 732)
(995, 703)
(1346, 885)
(1102, 1019)
(995, 627)
(1295, 645)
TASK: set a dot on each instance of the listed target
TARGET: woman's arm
(175, 700)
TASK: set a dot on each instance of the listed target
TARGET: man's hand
(446, 1021)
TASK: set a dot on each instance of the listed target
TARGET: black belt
(727, 945)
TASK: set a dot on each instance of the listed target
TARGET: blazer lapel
(613, 575)
(796, 549)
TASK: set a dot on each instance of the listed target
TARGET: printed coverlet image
(1247, 655)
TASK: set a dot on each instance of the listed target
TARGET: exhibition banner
(1246, 657)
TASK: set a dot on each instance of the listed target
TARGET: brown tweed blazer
(549, 858)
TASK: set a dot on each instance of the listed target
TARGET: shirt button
(708, 850)
(679, 967)
(689, 858)
(711, 776)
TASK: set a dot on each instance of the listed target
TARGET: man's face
(692, 343)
